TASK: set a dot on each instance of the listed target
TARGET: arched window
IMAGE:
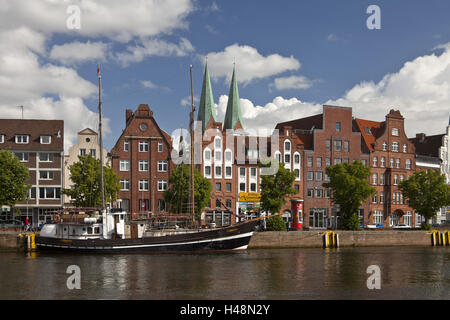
(287, 146)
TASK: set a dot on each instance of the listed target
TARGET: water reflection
(406, 273)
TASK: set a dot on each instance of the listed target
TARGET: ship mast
(100, 134)
(191, 131)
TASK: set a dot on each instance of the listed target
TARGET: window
(252, 187)
(82, 152)
(49, 193)
(296, 188)
(217, 143)
(374, 198)
(287, 158)
(395, 132)
(346, 160)
(346, 146)
(228, 156)
(402, 177)
(162, 166)
(242, 172)
(378, 217)
(278, 156)
(124, 165)
(162, 185)
(328, 144)
(392, 162)
(310, 161)
(143, 165)
(93, 152)
(310, 175)
(143, 204)
(319, 193)
(319, 162)
(337, 145)
(405, 148)
(2, 138)
(327, 193)
(319, 175)
(382, 179)
(375, 161)
(31, 193)
(395, 146)
(384, 146)
(253, 172)
(218, 186)
(218, 156)
(162, 205)
(297, 174)
(228, 203)
(143, 146)
(23, 156)
(160, 147)
(337, 160)
(21, 139)
(143, 185)
(310, 193)
(46, 139)
(364, 162)
(228, 172)
(327, 161)
(296, 158)
(287, 146)
(218, 171)
(242, 187)
(207, 155)
(408, 164)
(125, 184)
(375, 178)
(46, 157)
(126, 146)
(381, 197)
(395, 179)
(383, 162)
(338, 126)
(228, 187)
(208, 171)
(46, 175)
(397, 163)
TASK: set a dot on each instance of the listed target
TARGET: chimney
(420, 137)
(128, 114)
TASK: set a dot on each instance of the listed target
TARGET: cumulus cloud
(292, 82)
(79, 52)
(150, 85)
(116, 19)
(154, 47)
(250, 64)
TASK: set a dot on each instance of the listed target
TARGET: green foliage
(177, 195)
(426, 192)
(275, 223)
(275, 187)
(349, 186)
(86, 191)
(13, 177)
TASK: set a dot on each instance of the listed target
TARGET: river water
(405, 273)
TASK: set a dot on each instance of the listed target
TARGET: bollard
(337, 240)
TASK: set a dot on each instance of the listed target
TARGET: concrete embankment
(314, 239)
(8, 240)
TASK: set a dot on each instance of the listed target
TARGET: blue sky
(324, 45)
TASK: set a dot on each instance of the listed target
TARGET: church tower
(233, 116)
(207, 109)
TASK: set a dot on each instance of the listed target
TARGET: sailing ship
(109, 230)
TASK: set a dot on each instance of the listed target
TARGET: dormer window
(395, 132)
(22, 139)
(46, 139)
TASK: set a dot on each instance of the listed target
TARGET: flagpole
(191, 131)
(100, 134)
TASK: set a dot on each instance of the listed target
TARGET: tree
(274, 189)
(86, 191)
(426, 193)
(275, 223)
(13, 177)
(177, 195)
(349, 186)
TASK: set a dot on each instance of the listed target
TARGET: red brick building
(141, 157)
(328, 138)
(391, 159)
(39, 144)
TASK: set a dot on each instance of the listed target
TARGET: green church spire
(207, 108)
(233, 116)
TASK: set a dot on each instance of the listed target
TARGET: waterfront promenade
(305, 239)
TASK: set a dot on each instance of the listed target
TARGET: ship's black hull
(234, 237)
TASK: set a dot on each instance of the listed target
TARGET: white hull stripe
(249, 234)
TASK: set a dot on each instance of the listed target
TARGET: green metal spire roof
(233, 114)
(207, 108)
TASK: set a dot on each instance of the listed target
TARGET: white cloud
(292, 82)
(116, 19)
(187, 101)
(332, 37)
(78, 52)
(150, 85)
(250, 64)
(154, 47)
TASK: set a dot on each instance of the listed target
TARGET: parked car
(401, 226)
(13, 223)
